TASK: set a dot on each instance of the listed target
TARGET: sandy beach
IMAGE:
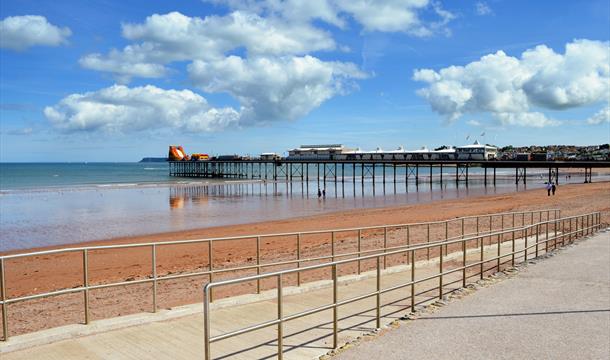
(51, 272)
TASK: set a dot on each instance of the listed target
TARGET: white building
(476, 151)
(317, 152)
(270, 156)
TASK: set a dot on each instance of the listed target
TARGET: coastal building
(476, 151)
(317, 152)
(270, 156)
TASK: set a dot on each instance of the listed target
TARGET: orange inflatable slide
(176, 153)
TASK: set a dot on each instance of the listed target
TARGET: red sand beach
(51, 272)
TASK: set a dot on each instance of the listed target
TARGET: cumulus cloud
(602, 116)
(260, 53)
(122, 109)
(177, 37)
(268, 89)
(22, 32)
(271, 89)
(379, 15)
(509, 87)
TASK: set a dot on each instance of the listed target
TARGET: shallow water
(78, 211)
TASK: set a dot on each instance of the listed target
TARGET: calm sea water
(68, 203)
(54, 175)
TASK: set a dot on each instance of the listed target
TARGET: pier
(340, 171)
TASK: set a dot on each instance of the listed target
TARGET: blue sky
(229, 76)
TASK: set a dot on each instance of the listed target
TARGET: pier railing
(335, 245)
(536, 241)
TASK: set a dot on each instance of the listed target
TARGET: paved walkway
(556, 309)
(305, 338)
(310, 336)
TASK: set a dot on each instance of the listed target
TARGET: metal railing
(564, 229)
(451, 229)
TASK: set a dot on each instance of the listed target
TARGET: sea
(48, 204)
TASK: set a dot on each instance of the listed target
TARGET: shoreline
(38, 274)
(309, 222)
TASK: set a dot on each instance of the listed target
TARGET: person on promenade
(553, 188)
(549, 187)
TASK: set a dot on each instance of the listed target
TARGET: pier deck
(360, 170)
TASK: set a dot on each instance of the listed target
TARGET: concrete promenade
(558, 308)
(178, 333)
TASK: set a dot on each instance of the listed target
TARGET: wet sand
(51, 272)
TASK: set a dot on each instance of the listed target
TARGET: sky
(121, 80)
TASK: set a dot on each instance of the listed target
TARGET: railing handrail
(593, 222)
(395, 252)
(154, 278)
(242, 237)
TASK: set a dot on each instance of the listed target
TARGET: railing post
(512, 260)
(298, 258)
(499, 252)
(546, 238)
(428, 239)
(446, 235)
(258, 264)
(555, 224)
(482, 257)
(332, 245)
(378, 295)
(335, 308)
(385, 245)
(154, 275)
(206, 322)
(463, 263)
(210, 262)
(4, 299)
(280, 324)
(537, 231)
(408, 243)
(525, 259)
(440, 277)
(359, 248)
(412, 280)
(86, 284)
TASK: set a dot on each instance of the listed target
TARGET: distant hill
(153, 159)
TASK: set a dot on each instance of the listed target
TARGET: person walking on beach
(324, 193)
(319, 193)
(553, 188)
(549, 187)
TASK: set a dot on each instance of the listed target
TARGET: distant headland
(153, 159)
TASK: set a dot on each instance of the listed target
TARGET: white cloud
(21, 32)
(260, 53)
(268, 89)
(482, 8)
(509, 87)
(272, 89)
(373, 15)
(602, 116)
(122, 109)
(176, 37)
(291, 10)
